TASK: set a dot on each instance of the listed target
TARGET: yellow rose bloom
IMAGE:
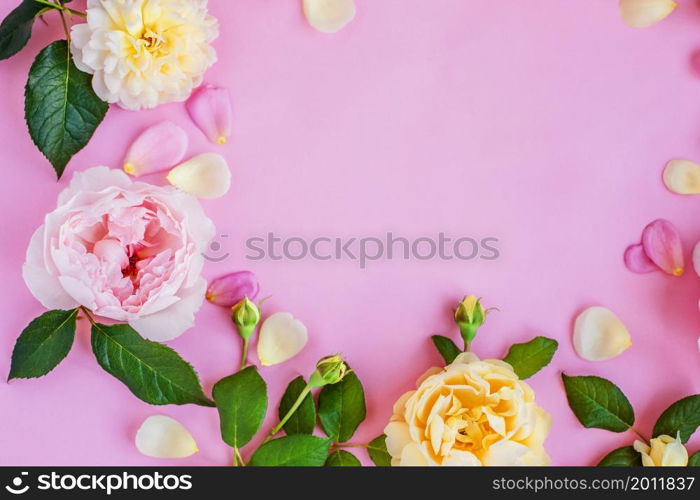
(663, 451)
(143, 53)
(471, 412)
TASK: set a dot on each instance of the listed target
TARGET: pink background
(543, 123)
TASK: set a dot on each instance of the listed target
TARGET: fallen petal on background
(164, 437)
(663, 246)
(643, 13)
(682, 177)
(696, 258)
(600, 335)
(281, 337)
(637, 260)
(157, 148)
(231, 288)
(205, 176)
(329, 16)
(210, 109)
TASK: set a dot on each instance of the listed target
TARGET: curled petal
(329, 16)
(205, 176)
(164, 437)
(637, 260)
(281, 337)
(662, 244)
(231, 288)
(682, 177)
(600, 335)
(210, 110)
(643, 13)
(157, 148)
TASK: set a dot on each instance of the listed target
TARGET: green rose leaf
(626, 456)
(447, 349)
(299, 450)
(241, 400)
(341, 458)
(599, 403)
(154, 372)
(341, 408)
(43, 344)
(16, 28)
(378, 453)
(682, 416)
(60, 107)
(694, 460)
(530, 357)
(303, 420)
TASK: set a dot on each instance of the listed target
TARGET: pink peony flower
(128, 251)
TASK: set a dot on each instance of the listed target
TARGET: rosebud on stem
(469, 316)
(246, 316)
(329, 370)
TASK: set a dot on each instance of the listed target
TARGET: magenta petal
(637, 260)
(229, 289)
(662, 244)
(210, 109)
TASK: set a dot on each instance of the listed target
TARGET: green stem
(467, 346)
(237, 453)
(244, 355)
(61, 7)
(340, 446)
(289, 414)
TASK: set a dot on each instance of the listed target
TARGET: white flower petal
(675, 454)
(172, 321)
(281, 338)
(600, 335)
(164, 437)
(505, 453)
(329, 16)
(643, 13)
(682, 177)
(205, 176)
(459, 458)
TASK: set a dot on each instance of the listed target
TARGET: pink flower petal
(662, 244)
(637, 260)
(229, 289)
(210, 110)
(157, 148)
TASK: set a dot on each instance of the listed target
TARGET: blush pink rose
(128, 251)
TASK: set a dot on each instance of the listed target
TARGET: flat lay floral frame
(125, 256)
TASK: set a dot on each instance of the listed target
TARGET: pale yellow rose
(471, 412)
(663, 451)
(143, 53)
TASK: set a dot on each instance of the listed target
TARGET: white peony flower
(143, 53)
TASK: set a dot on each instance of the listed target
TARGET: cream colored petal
(643, 13)
(400, 405)
(537, 457)
(397, 437)
(498, 424)
(281, 338)
(600, 335)
(205, 176)
(465, 358)
(675, 454)
(164, 437)
(543, 424)
(505, 453)
(437, 428)
(329, 16)
(412, 456)
(460, 458)
(682, 177)
(429, 373)
(696, 258)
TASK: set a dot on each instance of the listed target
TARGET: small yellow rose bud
(469, 316)
(329, 370)
(246, 316)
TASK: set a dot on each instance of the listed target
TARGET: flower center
(154, 42)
